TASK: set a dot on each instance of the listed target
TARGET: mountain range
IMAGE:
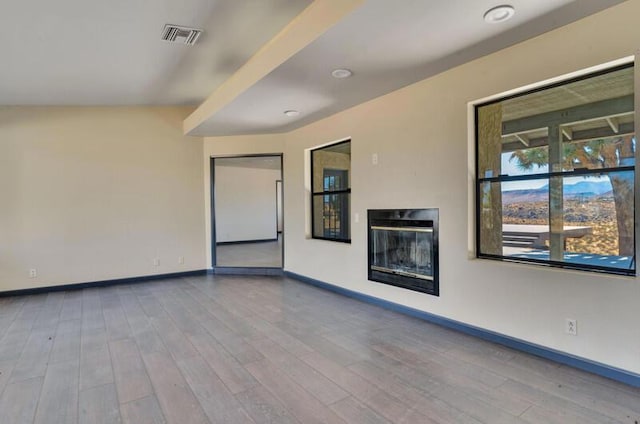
(584, 189)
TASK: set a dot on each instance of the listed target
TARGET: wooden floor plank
(310, 379)
(265, 408)
(12, 343)
(216, 400)
(355, 412)
(59, 399)
(99, 405)
(179, 404)
(71, 306)
(66, 344)
(142, 411)
(175, 340)
(116, 323)
(414, 397)
(132, 381)
(6, 367)
(230, 371)
(92, 317)
(303, 406)
(35, 355)
(95, 359)
(19, 400)
(49, 316)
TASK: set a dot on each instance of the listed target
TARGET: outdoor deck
(614, 261)
(535, 236)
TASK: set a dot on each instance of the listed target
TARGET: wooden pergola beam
(523, 139)
(582, 113)
(577, 137)
(613, 123)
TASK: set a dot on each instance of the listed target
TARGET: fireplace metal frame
(405, 218)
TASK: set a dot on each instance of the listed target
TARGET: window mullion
(572, 173)
(556, 196)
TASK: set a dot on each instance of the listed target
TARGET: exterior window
(555, 175)
(331, 186)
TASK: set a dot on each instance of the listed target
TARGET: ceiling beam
(314, 21)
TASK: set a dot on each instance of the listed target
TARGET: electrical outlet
(571, 326)
(181, 260)
(374, 159)
(33, 273)
(156, 262)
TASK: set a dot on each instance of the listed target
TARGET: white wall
(245, 202)
(97, 193)
(425, 146)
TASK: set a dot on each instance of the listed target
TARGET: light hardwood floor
(258, 254)
(228, 349)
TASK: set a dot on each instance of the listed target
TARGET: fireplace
(403, 248)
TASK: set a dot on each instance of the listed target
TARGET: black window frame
(315, 194)
(480, 180)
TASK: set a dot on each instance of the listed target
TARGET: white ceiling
(388, 45)
(96, 52)
(109, 52)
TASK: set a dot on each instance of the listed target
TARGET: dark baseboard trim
(103, 283)
(588, 365)
(241, 270)
(223, 243)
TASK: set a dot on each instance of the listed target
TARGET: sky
(511, 168)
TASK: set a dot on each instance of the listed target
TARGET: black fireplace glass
(403, 248)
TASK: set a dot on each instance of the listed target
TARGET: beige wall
(97, 193)
(425, 146)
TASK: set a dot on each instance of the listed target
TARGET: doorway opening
(247, 219)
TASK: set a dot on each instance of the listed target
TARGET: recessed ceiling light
(499, 14)
(291, 113)
(341, 73)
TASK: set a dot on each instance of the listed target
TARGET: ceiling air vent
(180, 34)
